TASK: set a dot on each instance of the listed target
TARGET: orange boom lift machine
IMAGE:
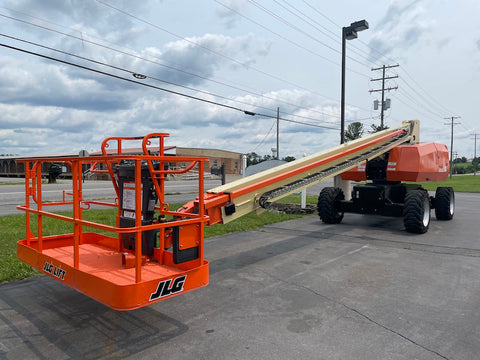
(153, 252)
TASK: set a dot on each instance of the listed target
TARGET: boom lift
(154, 252)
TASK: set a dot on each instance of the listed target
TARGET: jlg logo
(166, 287)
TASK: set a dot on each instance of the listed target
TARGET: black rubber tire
(444, 203)
(416, 211)
(327, 205)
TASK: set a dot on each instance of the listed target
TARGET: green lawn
(460, 183)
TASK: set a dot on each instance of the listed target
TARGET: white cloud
(402, 27)
(229, 11)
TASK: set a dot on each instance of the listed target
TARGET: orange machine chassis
(96, 262)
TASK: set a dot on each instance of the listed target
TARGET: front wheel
(444, 203)
(328, 205)
(416, 211)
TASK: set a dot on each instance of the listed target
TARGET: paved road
(363, 289)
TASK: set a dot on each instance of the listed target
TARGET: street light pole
(342, 101)
(348, 33)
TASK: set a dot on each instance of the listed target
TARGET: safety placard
(128, 199)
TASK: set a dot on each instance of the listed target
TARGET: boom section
(233, 200)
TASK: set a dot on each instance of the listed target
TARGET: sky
(74, 72)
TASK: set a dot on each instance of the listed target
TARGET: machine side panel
(357, 173)
(419, 162)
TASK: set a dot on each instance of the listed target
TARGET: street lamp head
(359, 25)
(349, 33)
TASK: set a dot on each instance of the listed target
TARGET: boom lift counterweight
(153, 252)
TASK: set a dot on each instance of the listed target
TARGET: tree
(460, 160)
(289, 158)
(377, 128)
(354, 131)
(253, 158)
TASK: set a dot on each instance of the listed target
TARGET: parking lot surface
(362, 289)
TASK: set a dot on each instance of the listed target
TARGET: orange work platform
(151, 252)
(102, 276)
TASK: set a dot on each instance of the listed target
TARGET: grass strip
(460, 183)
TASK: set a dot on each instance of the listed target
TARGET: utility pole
(278, 132)
(475, 153)
(383, 78)
(452, 118)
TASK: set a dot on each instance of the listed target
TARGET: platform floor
(107, 264)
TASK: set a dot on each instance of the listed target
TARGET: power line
(313, 23)
(142, 76)
(134, 74)
(265, 137)
(414, 104)
(298, 29)
(321, 14)
(202, 46)
(277, 34)
(334, 36)
(171, 67)
(139, 76)
(426, 92)
(367, 53)
(331, 32)
(192, 74)
(390, 59)
(295, 44)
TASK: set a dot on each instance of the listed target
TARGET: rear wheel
(328, 205)
(444, 203)
(416, 211)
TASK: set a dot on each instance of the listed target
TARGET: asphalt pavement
(362, 289)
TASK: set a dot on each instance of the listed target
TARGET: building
(233, 161)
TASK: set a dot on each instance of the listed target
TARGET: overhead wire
(426, 103)
(208, 49)
(138, 75)
(203, 47)
(372, 49)
(410, 102)
(246, 112)
(326, 17)
(277, 99)
(315, 24)
(381, 55)
(293, 43)
(297, 28)
(277, 34)
(427, 93)
(265, 137)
